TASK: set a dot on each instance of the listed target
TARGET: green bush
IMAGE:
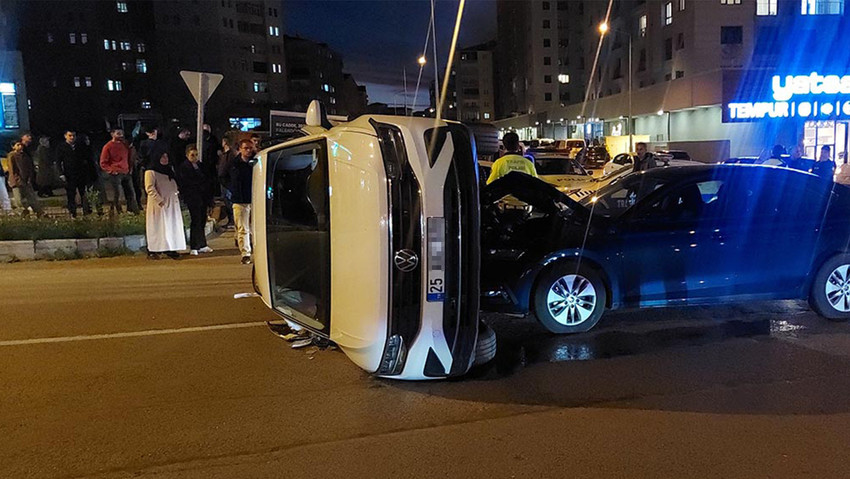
(34, 228)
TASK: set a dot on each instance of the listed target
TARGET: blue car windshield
(614, 199)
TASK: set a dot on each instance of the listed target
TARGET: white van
(367, 233)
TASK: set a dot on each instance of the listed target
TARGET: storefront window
(833, 134)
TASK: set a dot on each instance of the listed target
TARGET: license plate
(436, 257)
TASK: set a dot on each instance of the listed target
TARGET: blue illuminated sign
(245, 124)
(810, 97)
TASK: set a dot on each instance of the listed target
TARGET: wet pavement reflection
(519, 347)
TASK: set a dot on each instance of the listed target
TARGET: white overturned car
(367, 233)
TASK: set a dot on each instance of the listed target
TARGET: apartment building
(689, 60)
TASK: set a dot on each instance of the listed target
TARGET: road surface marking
(131, 334)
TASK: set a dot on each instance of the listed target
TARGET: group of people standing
(170, 174)
(164, 171)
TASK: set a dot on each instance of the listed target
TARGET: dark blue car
(669, 236)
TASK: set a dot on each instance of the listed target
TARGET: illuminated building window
(77, 82)
(114, 85)
(141, 65)
(766, 7)
(563, 78)
(121, 7)
(822, 7)
(9, 104)
(668, 13)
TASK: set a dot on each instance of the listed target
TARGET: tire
(485, 348)
(569, 313)
(830, 294)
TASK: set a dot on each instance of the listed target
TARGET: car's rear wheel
(569, 298)
(830, 294)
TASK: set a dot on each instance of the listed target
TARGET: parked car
(669, 237)
(367, 234)
(674, 154)
(619, 162)
(595, 157)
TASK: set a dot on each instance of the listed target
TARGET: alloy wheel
(838, 289)
(571, 299)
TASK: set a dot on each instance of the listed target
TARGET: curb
(40, 249)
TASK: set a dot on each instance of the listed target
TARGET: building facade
(690, 60)
(14, 115)
(85, 62)
(473, 83)
(95, 64)
(315, 73)
(242, 40)
(540, 55)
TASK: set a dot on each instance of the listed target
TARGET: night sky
(378, 39)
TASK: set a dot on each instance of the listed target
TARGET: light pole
(603, 29)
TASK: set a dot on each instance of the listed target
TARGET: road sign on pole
(202, 85)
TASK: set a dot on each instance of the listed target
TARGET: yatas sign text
(786, 88)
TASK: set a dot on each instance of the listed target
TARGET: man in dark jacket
(241, 173)
(225, 155)
(74, 162)
(824, 167)
(645, 160)
(195, 190)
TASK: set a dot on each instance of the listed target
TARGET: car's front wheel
(830, 294)
(569, 298)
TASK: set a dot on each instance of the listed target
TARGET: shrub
(35, 228)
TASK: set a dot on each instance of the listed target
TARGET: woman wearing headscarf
(163, 218)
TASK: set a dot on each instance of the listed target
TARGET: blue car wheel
(569, 298)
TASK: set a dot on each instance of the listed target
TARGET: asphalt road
(109, 368)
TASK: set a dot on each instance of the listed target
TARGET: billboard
(763, 95)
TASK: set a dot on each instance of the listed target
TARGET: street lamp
(604, 28)
(422, 61)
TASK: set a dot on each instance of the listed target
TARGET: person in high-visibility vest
(512, 160)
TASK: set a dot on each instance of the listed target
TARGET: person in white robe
(163, 219)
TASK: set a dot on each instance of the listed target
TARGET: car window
(622, 159)
(556, 166)
(787, 196)
(298, 233)
(692, 201)
(615, 199)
